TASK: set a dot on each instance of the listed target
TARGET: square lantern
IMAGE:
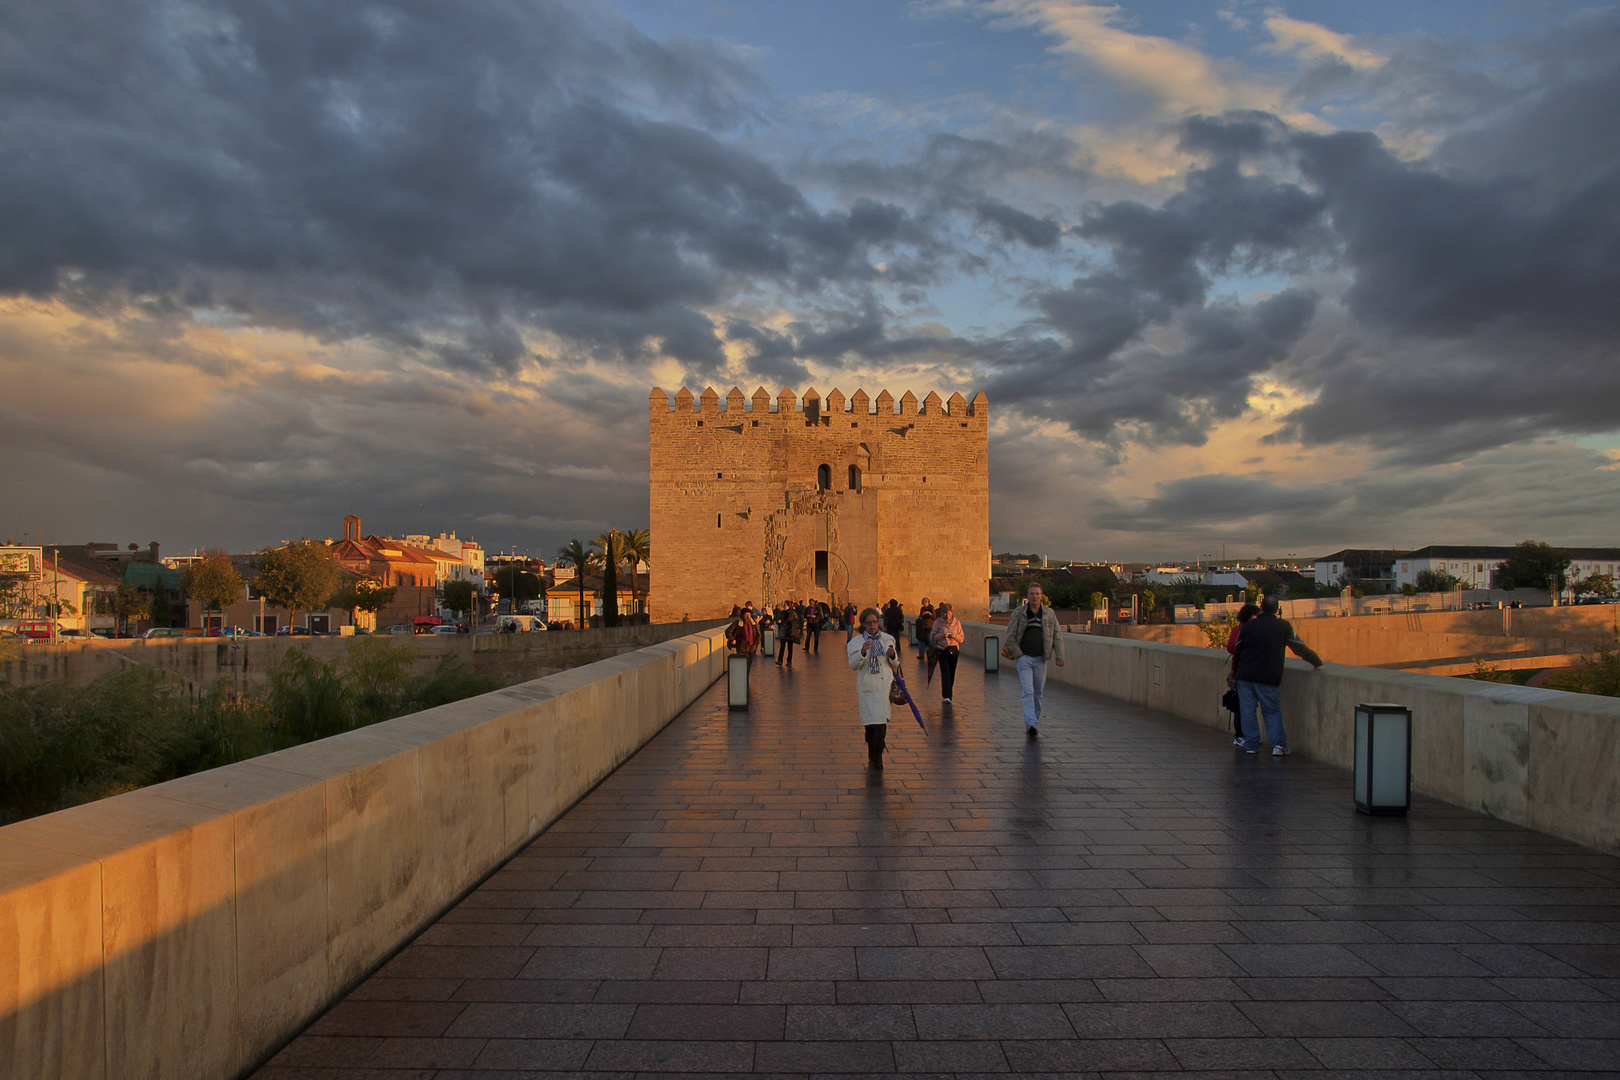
(1383, 773)
(767, 642)
(737, 681)
(992, 652)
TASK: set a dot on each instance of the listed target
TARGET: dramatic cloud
(1258, 278)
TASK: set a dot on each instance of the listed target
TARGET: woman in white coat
(873, 658)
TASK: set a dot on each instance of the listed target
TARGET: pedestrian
(742, 636)
(925, 625)
(894, 619)
(1245, 613)
(873, 658)
(1257, 663)
(946, 637)
(849, 616)
(1033, 637)
(787, 634)
(812, 627)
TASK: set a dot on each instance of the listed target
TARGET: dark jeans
(812, 636)
(784, 648)
(947, 671)
(876, 739)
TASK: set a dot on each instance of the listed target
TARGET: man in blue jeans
(1032, 637)
(1257, 664)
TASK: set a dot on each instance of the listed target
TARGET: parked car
(399, 628)
(236, 632)
(446, 628)
(36, 629)
(162, 632)
(292, 631)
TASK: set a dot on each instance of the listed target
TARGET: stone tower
(844, 501)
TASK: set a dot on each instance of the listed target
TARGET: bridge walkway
(1125, 895)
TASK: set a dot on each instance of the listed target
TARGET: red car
(37, 629)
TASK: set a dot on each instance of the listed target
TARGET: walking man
(1032, 638)
(1258, 664)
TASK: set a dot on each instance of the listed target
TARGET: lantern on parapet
(1383, 764)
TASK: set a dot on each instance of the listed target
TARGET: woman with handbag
(946, 638)
(873, 658)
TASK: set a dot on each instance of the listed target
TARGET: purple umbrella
(913, 704)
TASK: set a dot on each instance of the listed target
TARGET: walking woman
(873, 658)
(787, 633)
(946, 637)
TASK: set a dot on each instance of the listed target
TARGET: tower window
(821, 569)
(855, 479)
(823, 477)
(717, 521)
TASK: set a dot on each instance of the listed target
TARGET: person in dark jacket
(894, 619)
(1257, 663)
(925, 626)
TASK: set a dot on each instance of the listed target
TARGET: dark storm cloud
(398, 170)
(1217, 499)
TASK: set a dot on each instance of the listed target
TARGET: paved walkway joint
(1125, 895)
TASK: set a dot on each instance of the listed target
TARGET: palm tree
(637, 547)
(581, 560)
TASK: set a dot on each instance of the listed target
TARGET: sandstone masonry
(835, 500)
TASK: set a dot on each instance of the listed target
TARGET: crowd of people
(1033, 638)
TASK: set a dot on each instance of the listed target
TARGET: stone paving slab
(1125, 895)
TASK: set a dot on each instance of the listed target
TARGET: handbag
(897, 696)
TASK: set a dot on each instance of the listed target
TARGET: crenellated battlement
(788, 402)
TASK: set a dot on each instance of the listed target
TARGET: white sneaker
(947, 700)
(1279, 751)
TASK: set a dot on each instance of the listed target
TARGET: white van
(519, 624)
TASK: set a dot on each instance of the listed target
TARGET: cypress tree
(610, 581)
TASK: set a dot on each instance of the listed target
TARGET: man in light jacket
(1033, 637)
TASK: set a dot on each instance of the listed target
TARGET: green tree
(1595, 584)
(162, 612)
(214, 582)
(1098, 600)
(1436, 581)
(1534, 565)
(362, 594)
(129, 604)
(298, 577)
(1409, 589)
(458, 596)
(1149, 602)
(577, 556)
(516, 583)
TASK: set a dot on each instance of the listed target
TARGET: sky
(1241, 276)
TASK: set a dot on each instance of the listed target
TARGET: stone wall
(1540, 758)
(1422, 639)
(739, 515)
(188, 929)
(197, 662)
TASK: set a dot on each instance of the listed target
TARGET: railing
(190, 928)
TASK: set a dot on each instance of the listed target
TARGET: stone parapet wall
(1544, 759)
(188, 929)
(197, 661)
(1398, 640)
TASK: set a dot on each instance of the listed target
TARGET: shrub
(62, 743)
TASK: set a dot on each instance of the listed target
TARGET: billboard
(18, 561)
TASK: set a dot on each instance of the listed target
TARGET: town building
(563, 599)
(1475, 565)
(839, 501)
(1374, 566)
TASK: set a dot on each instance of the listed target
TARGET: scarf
(874, 654)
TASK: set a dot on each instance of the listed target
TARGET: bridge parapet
(1544, 759)
(190, 928)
